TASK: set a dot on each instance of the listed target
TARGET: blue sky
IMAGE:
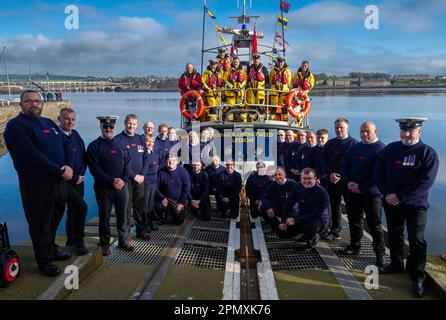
(120, 38)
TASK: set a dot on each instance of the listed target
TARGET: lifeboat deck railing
(242, 111)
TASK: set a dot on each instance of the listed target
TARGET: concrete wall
(50, 110)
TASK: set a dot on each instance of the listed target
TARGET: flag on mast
(284, 6)
(234, 51)
(223, 39)
(254, 42)
(283, 22)
(218, 28)
(210, 13)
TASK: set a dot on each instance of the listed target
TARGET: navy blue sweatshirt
(297, 156)
(162, 148)
(174, 185)
(151, 177)
(229, 185)
(108, 159)
(275, 195)
(199, 185)
(358, 166)
(38, 149)
(256, 186)
(287, 150)
(334, 150)
(280, 155)
(315, 161)
(137, 152)
(213, 174)
(79, 155)
(407, 171)
(311, 204)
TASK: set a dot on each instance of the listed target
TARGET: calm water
(163, 107)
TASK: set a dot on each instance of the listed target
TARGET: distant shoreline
(318, 91)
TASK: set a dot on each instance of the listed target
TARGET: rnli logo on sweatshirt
(46, 131)
(360, 157)
(409, 161)
(113, 152)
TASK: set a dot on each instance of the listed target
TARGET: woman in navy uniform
(229, 185)
(109, 163)
(256, 184)
(405, 172)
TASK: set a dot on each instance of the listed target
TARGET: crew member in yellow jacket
(280, 79)
(212, 81)
(257, 77)
(303, 78)
(235, 78)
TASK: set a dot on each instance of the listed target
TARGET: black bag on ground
(9, 260)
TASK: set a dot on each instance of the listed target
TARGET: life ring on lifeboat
(302, 99)
(200, 103)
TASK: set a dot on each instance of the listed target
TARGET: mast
(7, 74)
(202, 36)
(283, 30)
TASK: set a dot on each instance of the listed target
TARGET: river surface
(163, 108)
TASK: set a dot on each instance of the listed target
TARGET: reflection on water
(164, 108)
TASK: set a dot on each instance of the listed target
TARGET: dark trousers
(253, 208)
(357, 205)
(136, 202)
(415, 220)
(233, 206)
(308, 228)
(170, 214)
(76, 213)
(149, 204)
(336, 192)
(107, 197)
(204, 210)
(40, 204)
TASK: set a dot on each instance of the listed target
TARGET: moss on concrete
(308, 285)
(189, 283)
(111, 281)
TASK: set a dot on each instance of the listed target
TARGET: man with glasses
(280, 144)
(148, 128)
(109, 163)
(305, 210)
(43, 161)
(404, 173)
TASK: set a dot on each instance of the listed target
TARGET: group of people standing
(140, 176)
(369, 176)
(227, 79)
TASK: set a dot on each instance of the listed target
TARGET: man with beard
(42, 159)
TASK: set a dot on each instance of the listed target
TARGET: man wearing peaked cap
(405, 172)
(109, 163)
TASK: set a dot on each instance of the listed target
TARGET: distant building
(411, 77)
(374, 83)
(441, 77)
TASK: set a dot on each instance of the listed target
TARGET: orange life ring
(185, 97)
(291, 103)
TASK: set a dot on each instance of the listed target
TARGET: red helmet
(305, 85)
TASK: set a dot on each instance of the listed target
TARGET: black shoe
(69, 243)
(311, 243)
(50, 270)
(350, 251)
(380, 262)
(80, 249)
(143, 235)
(60, 255)
(418, 289)
(390, 268)
(153, 226)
